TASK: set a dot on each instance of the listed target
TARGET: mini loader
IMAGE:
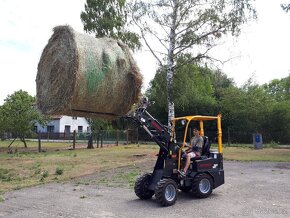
(204, 174)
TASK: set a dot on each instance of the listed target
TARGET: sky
(262, 51)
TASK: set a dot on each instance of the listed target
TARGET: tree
(1, 123)
(179, 27)
(109, 18)
(285, 7)
(276, 125)
(279, 89)
(247, 110)
(187, 27)
(193, 92)
(19, 115)
(97, 127)
(220, 82)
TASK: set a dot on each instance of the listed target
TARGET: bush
(45, 174)
(59, 171)
(5, 175)
(273, 144)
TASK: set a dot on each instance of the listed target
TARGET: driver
(195, 149)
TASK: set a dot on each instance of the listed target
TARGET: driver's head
(196, 131)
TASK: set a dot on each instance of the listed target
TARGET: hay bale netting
(79, 75)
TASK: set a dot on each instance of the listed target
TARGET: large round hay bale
(80, 75)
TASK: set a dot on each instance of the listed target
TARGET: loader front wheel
(141, 187)
(166, 192)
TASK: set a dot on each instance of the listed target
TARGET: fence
(107, 136)
(138, 135)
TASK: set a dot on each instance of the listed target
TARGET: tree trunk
(90, 142)
(12, 142)
(117, 142)
(39, 142)
(24, 142)
(98, 139)
(170, 64)
(101, 138)
(74, 139)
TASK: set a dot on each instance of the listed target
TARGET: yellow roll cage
(201, 120)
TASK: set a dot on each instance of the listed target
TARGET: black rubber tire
(141, 187)
(161, 194)
(196, 189)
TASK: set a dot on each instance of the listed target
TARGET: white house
(64, 124)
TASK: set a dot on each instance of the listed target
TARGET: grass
(124, 177)
(28, 167)
(249, 154)
(33, 145)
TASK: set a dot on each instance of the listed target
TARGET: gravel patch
(252, 189)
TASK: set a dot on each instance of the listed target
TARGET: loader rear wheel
(141, 187)
(166, 192)
(202, 185)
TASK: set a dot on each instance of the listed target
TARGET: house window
(80, 128)
(35, 129)
(75, 118)
(50, 128)
(67, 129)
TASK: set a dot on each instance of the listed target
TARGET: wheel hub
(204, 186)
(170, 192)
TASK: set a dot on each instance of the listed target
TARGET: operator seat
(205, 152)
(206, 147)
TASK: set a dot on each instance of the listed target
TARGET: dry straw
(80, 75)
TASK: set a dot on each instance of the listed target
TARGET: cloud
(263, 47)
(26, 27)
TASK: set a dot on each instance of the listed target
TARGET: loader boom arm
(158, 132)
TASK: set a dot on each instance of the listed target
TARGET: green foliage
(273, 144)
(8, 175)
(5, 175)
(277, 125)
(2, 123)
(220, 81)
(129, 177)
(194, 91)
(59, 171)
(109, 18)
(279, 89)
(245, 107)
(255, 108)
(246, 110)
(18, 115)
(44, 175)
(98, 124)
(185, 30)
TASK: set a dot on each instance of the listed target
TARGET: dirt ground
(252, 189)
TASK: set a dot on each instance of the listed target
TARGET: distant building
(64, 124)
